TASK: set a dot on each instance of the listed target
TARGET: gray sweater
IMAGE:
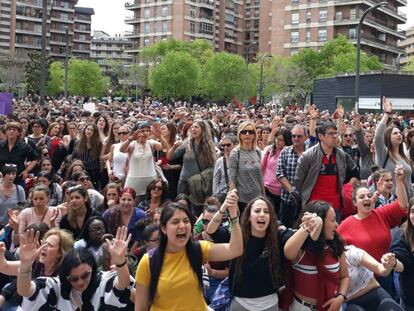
(381, 157)
(367, 159)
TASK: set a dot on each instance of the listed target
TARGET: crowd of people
(151, 206)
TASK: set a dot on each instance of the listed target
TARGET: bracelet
(234, 220)
(387, 112)
(222, 213)
(27, 273)
(304, 228)
(121, 265)
(340, 294)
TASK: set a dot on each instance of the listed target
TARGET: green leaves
(55, 85)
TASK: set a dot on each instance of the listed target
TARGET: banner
(6, 103)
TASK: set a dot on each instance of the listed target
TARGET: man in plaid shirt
(285, 173)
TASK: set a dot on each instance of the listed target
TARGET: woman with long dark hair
(319, 269)
(254, 277)
(273, 187)
(389, 147)
(178, 260)
(156, 193)
(46, 179)
(88, 149)
(79, 286)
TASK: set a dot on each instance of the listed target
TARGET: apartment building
(220, 22)
(23, 21)
(105, 48)
(408, 46)
(289, 25)
(82, 38)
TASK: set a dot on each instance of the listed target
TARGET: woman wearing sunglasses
(117, 162)
(156, 192)
(245, 173)
(79, 286)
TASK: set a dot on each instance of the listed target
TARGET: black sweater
(403, 253)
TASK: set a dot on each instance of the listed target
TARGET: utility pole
(43, 54)
(66, 61)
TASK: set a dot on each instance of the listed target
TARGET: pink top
(28, 217)
(269, 164)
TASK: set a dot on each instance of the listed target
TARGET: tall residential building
(24, 21)
(105, 48)
(82, 32)
(220, 22)
(408, 46)
(289, 25)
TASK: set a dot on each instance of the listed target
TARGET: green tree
(55, 85)
(85, 78)
(176, 76)
(410, 65)
(32, 72)
(223, 77)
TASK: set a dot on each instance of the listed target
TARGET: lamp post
(245, 101)
(358, 56)
(261, 84)
(66, 61)
(43, 54)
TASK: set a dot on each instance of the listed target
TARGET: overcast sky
(110, 14)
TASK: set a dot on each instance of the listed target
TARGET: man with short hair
(285, 173)
(322, 170)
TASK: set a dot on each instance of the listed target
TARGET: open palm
(29, 246)
(118, 248)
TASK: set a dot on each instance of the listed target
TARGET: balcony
(132, 5)
(37, 3)
(375, 42)
(130, 20)
(131, 34)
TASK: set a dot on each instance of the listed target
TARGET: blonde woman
(245, 173)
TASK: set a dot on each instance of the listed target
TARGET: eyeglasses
(122, 133)
(10, 165)
(226, 145)
(297, 136)
(83, 276)
(348, 135)
(82, 179)
(157, 188)
(247, 132)
(205, 221)
(332, 133)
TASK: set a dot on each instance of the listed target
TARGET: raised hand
(118, 247)
(313, 112)
(340, 111)
(13, 220)
(29, 247)
(231, 203)
(399, 173)
(53, 218)
(386, 105)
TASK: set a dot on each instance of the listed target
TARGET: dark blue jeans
(375, 300)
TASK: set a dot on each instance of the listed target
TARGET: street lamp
(66, 61)
(245, 102)
(261, 84)
(358, 58)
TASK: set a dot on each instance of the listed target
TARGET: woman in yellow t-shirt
(171, 278)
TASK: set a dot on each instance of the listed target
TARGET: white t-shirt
(359, 275)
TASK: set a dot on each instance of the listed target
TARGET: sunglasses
(122, 133)
(226, 145)
(83, 276)
(247, 132)
(348, 135)
(297, 136)
(82, 179)
(205, 221)
(157, 188)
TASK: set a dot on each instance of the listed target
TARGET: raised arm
(227, 251)
(7, 267)
(29, 250)
(380, 149)
(118, 248)
(400, 189)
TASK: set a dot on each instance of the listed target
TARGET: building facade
(105, 48)
(296, 24)
(23, 21)
(408, 46)
(220, 22)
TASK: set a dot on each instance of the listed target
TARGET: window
(294, 51)
(164, 26)
(295, 18)
(146, 27)
(294, 37)
(155, 25)
(192, 11)
(294, 2)
(352, 13)
(147, 12)
(338, 16)
(322, 35)
(308, 36)
(352, 33)
(323, 15)
(308, 16)
(164, 11)
(146, 41)
(192, 27)
(206, 28)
